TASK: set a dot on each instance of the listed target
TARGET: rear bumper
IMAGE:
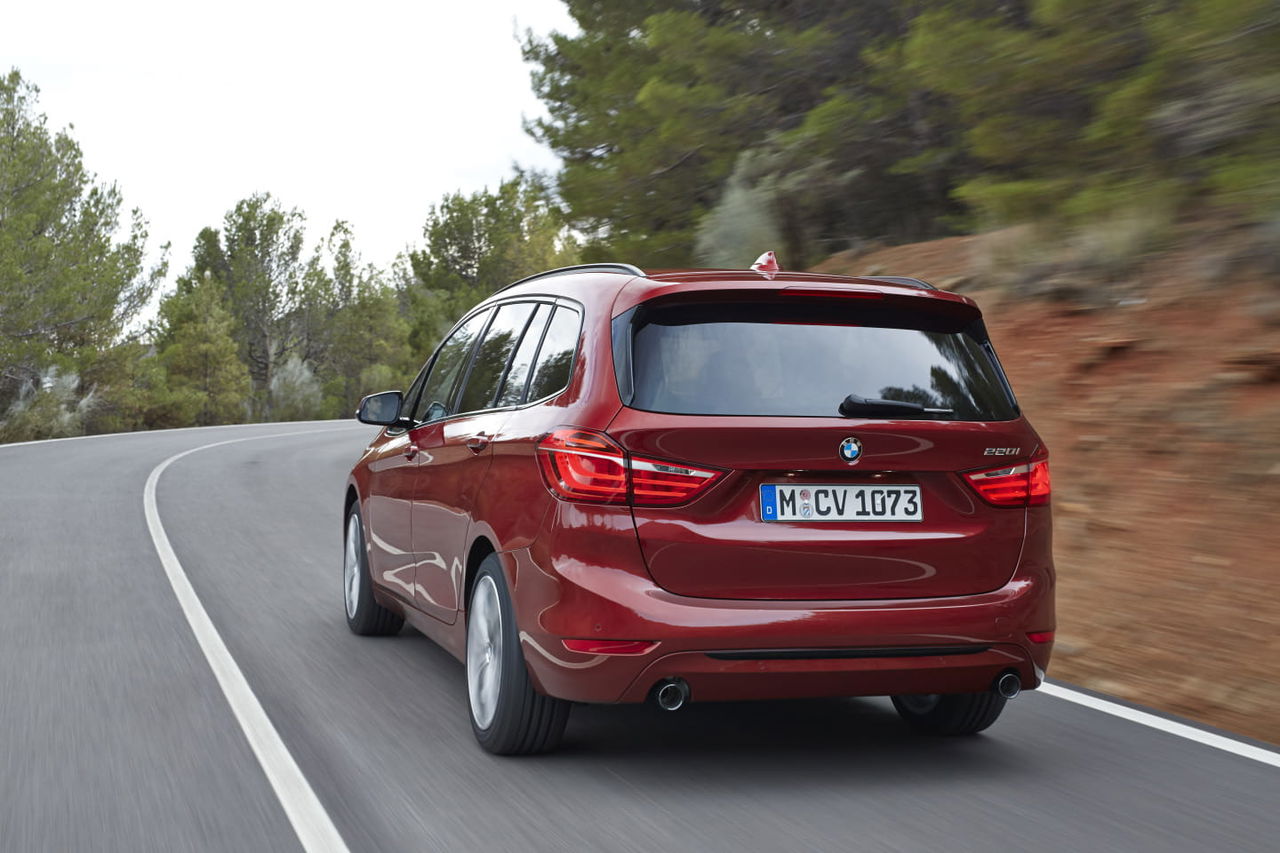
(975, 637)
(714, 679)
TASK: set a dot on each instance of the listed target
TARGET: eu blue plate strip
(769, 503)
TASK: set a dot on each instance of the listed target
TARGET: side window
(436, 400)
(512, 392)
(556, 356)
(492, 356)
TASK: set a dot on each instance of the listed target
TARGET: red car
(609, 486)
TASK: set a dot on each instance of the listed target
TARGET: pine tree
(68, 287)
(199, 354)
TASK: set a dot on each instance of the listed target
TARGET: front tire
(508, 716)
(953, 714)
(364, 615)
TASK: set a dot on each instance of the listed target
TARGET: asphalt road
(115, 735)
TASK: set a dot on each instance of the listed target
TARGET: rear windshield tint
(802, 361)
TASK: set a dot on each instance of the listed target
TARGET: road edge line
(1153, 721)
(311, 823)
(169, 431)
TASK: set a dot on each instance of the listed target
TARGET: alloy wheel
(351, 566)
(484, 652)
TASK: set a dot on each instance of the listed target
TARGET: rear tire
(364, 615)
(950, 714)
(508, 716)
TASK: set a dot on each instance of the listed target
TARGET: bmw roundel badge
(851, 449)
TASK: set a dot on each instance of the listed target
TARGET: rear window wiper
(855, 407)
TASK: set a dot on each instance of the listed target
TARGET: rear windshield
(802, 361)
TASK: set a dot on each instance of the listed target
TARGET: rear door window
(493, 354)
(802, 361)
(441, 385)
(512, 393)
(555, 358)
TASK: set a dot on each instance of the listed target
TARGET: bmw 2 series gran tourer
(612, 486)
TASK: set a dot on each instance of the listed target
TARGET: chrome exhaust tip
(1009, 685)
(671, 694)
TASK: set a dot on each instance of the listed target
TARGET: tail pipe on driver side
(671, 694)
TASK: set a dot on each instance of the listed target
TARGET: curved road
(116, 735)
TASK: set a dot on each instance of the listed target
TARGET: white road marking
(310, 821)
(4, 445)
(1182, 730)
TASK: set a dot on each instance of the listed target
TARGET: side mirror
(381, 409)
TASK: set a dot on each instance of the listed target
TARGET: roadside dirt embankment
(1159, 399)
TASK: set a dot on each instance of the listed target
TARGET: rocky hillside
(1158, 395)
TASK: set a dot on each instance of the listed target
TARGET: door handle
(478, 442)
(411, 451)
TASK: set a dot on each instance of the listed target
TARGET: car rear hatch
(812, 503)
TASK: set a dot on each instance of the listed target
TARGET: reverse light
(589, 466)
(610, 647)
(1013, 485)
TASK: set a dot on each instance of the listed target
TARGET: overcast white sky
(368, 112)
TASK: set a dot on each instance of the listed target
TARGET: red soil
(1160, 404)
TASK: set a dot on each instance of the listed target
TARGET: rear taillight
(1013, 485)
(655, 483)
(580, 465)
(585, 465)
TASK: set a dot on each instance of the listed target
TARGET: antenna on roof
(768, 262)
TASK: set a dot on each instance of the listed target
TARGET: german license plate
(840, 503)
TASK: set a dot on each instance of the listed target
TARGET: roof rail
(900, 279)
(623, 269)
